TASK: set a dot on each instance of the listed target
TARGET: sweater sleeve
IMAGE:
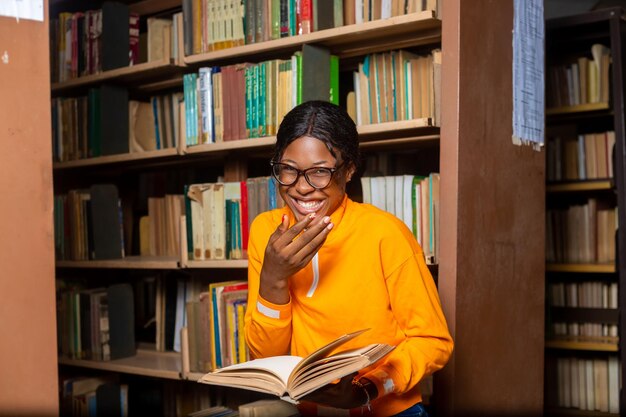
(427, 344)
(267, 326)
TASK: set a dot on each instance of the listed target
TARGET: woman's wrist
(368, 388)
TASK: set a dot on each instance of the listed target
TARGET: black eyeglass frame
(304, 174)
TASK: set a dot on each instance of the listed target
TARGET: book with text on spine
(293, 377)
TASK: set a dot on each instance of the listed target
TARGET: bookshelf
(458, 150)
(581, 182)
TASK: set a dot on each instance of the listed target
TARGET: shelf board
(583, 268)
(573, 412)
(112, 159)
(231, 145)
(420, 28)
(222, 264)
(398, 133)
(130, 262)
(145, 362)
(587, 185)
(581, 108)
(573, 345)
(193, 376)
(141, 73)
(150, 7)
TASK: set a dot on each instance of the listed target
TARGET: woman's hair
(323, 121)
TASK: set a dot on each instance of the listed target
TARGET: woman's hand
(288, 251)
(343, 394)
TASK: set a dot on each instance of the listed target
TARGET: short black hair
(323, 121)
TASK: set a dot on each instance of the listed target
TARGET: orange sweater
(370, 273)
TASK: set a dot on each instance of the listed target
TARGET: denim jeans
(417, 410)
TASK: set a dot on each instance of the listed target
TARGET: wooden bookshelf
(130, 262)
(571, 412)
(582, 345)
(146, 362)
(469, 168)
(582, 108)
(389, 134)
(582, 268)
(147, 156)
(570, 39)
(420, 28)
(136, 74)
(221, 264)
(580, 186)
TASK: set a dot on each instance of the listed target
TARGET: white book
(575, 383)
(390, 194)
(582, 387)
(377, 187)
(399, 196)
(180, 321)
(407, 201)
(197, 220)
(357, 93)
(218, 225)
(589, 384)
(367, 192)
(613, 384)
(205, 82)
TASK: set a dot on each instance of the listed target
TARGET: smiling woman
(324, 265)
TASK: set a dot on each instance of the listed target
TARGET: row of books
(213, 330)
(81, 126)
(591, 384)
(581, 331)
(219, 215)
(583, 157)
(249, 100)
(220, 24)
(84, 396)
(159, 231)
(95, 323)
(582, 233)
(414, 200)
(398, 85)
(584, 80)
(88, 224)
(586, 294)
(88, 42)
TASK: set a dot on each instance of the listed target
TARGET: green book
(334, 79)
(94, 122)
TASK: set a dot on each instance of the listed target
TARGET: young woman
(324, 265)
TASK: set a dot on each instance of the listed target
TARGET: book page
(280, 366)
(325, 350)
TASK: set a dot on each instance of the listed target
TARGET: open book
(293, 377)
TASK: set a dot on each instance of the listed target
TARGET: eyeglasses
(316, 177)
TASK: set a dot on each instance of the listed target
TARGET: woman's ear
(350, 172)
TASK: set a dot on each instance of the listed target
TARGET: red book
(305, 17)
(133, 53)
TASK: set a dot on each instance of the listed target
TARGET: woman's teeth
(309, 205)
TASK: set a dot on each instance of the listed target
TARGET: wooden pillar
(491, 273)
(28, 354)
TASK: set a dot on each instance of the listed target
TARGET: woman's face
(307, 152)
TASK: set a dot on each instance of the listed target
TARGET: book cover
(115, 34)
(121, 320)
(113, 106)
(105, 224)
